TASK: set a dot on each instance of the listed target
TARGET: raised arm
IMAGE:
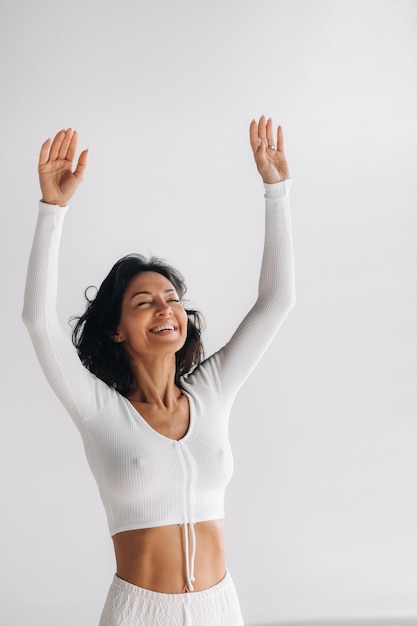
(67, 376)
(276, 291)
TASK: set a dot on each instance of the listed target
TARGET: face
(153, 320)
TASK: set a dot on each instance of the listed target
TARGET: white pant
(129, 605)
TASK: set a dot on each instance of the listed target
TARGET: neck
(155, 381)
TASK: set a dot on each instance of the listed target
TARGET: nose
(163, 308)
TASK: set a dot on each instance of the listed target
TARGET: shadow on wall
(410, 621)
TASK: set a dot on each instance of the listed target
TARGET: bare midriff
(154, 558)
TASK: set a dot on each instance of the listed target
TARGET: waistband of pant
(124, 585)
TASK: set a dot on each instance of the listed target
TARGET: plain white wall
(322, 509)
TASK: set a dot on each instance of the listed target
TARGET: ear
(117, 338)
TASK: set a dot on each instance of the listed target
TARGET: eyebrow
(149, 293)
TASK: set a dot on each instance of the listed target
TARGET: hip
(129, 605)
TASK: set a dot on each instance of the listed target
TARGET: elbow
(287, 297)
(281, 306)
(292, 300)
(286, 301)
(25, 317)
(279, 303)
(288, 304)
(29, 320)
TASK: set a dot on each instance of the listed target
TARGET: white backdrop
(322, 509)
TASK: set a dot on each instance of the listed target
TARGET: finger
(280, 139)
(44, 153)
(262, 128)
(258, 140)
(72, 146)
(63, 150)
(270, 133)
(253, 136)
(56, 145)
(81, 166)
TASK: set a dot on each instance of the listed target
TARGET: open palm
(269, 157)
(56, 176)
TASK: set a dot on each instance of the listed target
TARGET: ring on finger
(271, 146)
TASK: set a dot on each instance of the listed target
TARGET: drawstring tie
(189, 477)
(189, 558)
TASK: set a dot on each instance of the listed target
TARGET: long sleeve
(69, 379)
(146, 479)
(231, 365)
(78, 389)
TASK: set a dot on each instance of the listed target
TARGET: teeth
(158, 329)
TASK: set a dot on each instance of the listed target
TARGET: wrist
(54, 201)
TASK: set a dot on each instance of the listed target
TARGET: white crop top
(146, 479)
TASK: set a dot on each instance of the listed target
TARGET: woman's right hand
(58, 181)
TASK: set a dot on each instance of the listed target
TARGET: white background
(322, 509)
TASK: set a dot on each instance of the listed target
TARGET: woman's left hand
(269, 157)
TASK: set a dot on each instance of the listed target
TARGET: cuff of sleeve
(277, 190)
(51, 208)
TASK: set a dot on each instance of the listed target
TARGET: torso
(153, 558)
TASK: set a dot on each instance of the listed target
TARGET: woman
(152, 414)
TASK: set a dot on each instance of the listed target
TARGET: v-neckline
(143, 421)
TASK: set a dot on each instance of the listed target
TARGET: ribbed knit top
(146, 479)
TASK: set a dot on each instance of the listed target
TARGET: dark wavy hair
(93, 331)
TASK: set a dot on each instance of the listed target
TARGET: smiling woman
(100, 322)
(152, 413)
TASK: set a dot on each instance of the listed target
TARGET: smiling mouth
(160, 329)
